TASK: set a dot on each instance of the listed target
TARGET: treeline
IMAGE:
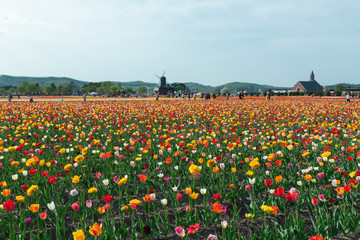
(101, 88)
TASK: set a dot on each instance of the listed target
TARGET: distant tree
(53, 86)
(67, 90)
(339, 88)
(71, 87)
(12, 90)
(106, 87)
(59, 89)
(91, 87)
(21, 89)
(129, 90)
(114, 88)
(142, 90)
(2, 91)
(179, 86)
(49, 90)
(31, 89)
(224, 90)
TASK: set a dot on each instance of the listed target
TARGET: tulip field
(219, 169)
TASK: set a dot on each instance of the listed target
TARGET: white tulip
(252, 181)
(74, 192)
(106, 182)
(51, 206)
(164, 201)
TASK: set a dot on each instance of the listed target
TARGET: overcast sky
(212, 42)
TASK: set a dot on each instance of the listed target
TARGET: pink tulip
(180, 231)
(295, 196)
(88, 203)
(322, 198)
(248, 187)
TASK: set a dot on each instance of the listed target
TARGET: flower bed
(219, 169)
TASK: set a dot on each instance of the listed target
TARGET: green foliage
(339, 88)
(142, 90)
(49, 90)
(179, 86)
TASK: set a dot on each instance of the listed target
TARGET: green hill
(346, 85)
(136, 84)
(249, 87)
(7, 81)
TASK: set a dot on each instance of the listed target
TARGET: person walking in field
(348, 97)
(268, 95)
(84, 97)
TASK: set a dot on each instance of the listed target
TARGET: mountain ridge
(7, 81)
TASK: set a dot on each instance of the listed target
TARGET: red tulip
(8, 205)
(268, 183)
(107, 198)
(315, 201)
(279, 192)
(179, 196)
(288, 197)
(52, 179)
(216, 196)
(75, 206)
(43, 215)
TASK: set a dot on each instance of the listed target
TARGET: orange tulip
(34, 208)
(147, 198)
(101, 210)
(216, 207)
(6, 192)
(308, 177)
(95, 230)
(278, 179)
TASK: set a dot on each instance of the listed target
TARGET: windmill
(163, 88)
(162, 79)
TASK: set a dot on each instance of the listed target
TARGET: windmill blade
(156, 75)
(164, 73)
